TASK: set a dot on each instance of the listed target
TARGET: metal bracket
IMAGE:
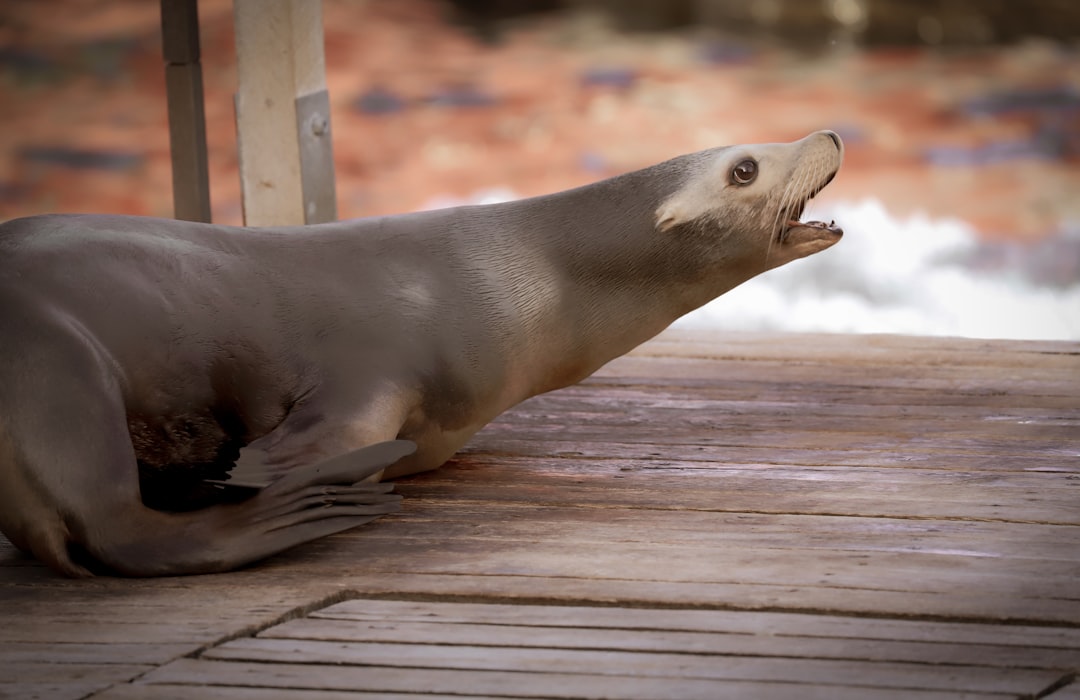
(316, 157)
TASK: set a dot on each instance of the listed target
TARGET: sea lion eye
(744, 173)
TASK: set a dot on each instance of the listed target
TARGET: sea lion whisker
(793, 207)
(821, 172)
(811, 176)
(782, 212)
(823, 177)
(777, 228)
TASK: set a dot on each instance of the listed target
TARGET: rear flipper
(333, 489)
(307, 503)
(70, 491)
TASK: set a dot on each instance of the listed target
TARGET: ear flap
(665, 220)
(684, 205)
(700, 193)
(669, 215)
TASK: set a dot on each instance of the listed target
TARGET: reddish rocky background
(977, 119)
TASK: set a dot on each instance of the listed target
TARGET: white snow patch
(891, 275)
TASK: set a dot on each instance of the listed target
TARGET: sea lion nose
(835, 138)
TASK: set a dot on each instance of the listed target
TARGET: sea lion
(141, 359)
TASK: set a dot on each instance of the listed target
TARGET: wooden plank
(187, 118)
(1050, 429)
(63, 671)
(780, 402)
(1003, 441)
(485, 656)
(279, 47)
(1049, 435)
(90, 652)
(770, 624)
(749, 441)
(852, 358)
(494, 444)
(574, 639)
(42, 608)
(998, 667)
(194, 692)
(666, 484)
(51, 631)
(577, 583)
(808, 434)
(55, 690)
(63, 681)
(841, 348)
(509, 683)
(45, 672)
(838, 580)
(265, 113)
(969, 544)
(780, 387)
(950, 378)
(754, 445)
(641, 405)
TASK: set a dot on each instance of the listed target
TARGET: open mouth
(791, 218)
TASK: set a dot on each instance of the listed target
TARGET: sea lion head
(747, 200)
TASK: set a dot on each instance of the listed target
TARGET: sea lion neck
(618, 280)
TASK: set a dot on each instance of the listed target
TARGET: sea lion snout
(835, 139)
(839, 144)
(822, 139)
(769, 184)
(813, 166)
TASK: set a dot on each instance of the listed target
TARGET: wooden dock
(712, 516)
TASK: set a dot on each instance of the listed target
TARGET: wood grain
(714, 515)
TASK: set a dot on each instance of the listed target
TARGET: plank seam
(249, 631)
(532, 505)
(638, 604)
(1066, 680)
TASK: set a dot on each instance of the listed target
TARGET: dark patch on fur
(177, 455)
(447, 400)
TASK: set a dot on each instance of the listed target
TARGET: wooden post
(187, 119)
(283, 113)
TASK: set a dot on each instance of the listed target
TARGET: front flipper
(351, 467)
(323, 431)
(320, 499)
(362, 463)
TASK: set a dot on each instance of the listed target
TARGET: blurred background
(960, 193)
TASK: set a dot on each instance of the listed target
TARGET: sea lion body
(315, 357)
